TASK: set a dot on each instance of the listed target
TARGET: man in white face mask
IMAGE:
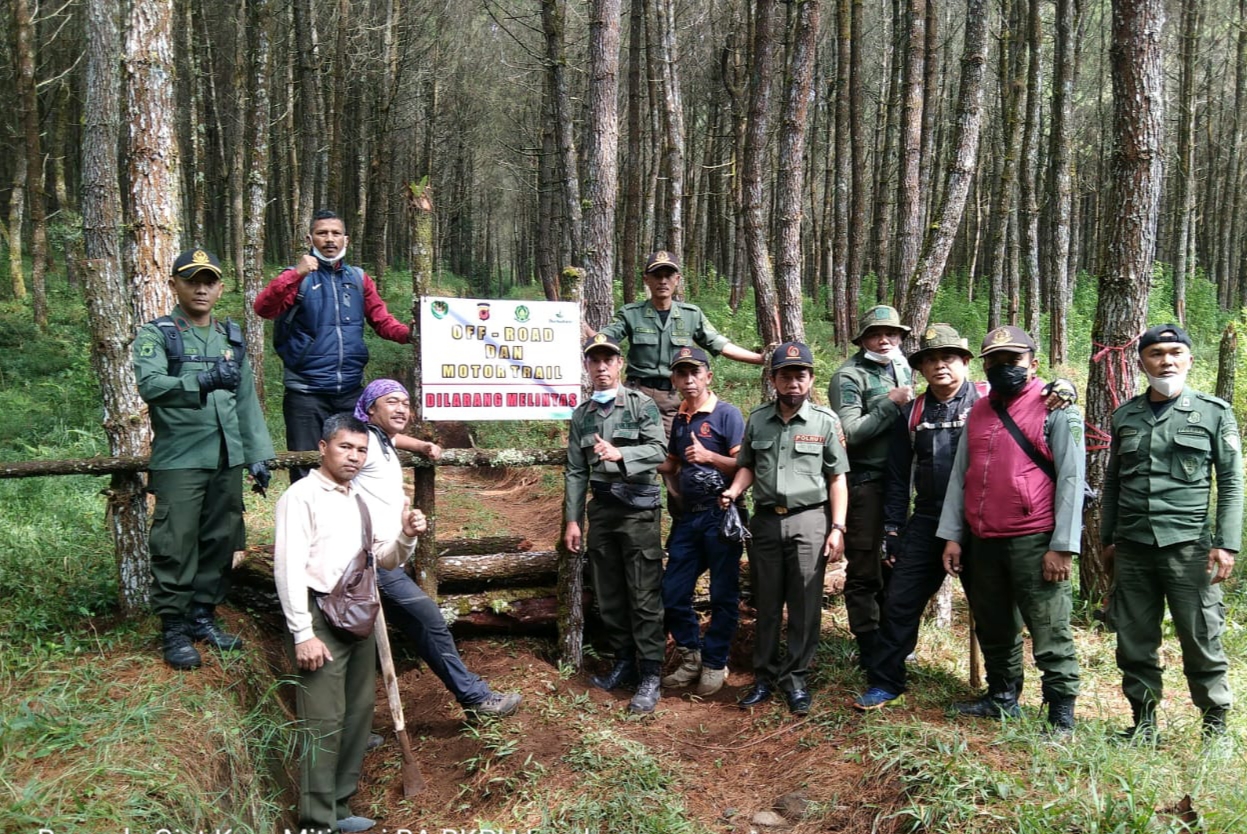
(1167, 443)
(319, 307)
(868, 393)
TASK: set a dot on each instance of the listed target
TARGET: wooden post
(571, 573)
(424, 495)
(1227, 363)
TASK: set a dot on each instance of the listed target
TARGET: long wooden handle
(388, 674)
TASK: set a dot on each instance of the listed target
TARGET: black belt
(772, 508)
(859, 478)
(657, 382)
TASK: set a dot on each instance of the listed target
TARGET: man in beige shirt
(318, 532)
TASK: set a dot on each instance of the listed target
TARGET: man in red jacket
(319, 307)
(1014, 502)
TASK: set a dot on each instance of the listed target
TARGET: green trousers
(1146, 577)
(625, 564)
(335, 705)
(196, 527)
(1005, 586)
(786, 569)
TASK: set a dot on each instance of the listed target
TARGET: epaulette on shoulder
(688, 305)
(824, 409)
(1212, 398)
(760, 406)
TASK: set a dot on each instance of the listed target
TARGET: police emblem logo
(685, 353)
(482, 311)
(199, 258)
(599, 339)
(1000, 335)
(930, 334)
(704, 431)
(793, 352)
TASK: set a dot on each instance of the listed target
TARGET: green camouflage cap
(940, 337)
(881, 315)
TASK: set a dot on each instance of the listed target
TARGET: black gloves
(224, 374)
(261, 476)
(891, 548)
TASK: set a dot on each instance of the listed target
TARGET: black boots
(1000, 704)
(648, 691)
(204, 629)
(1213, 723)
(176, 642)
(1144, 729)
(622, 674)
(1061, 716)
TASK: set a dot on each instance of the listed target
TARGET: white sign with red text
(486, 359)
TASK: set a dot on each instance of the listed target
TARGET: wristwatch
(840, 527)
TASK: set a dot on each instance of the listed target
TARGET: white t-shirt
(380, 481)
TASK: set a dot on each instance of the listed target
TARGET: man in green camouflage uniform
(793, 456)
(869, 391)
(192, 371)
(1158, 534)
(615, 444)
(658, 327)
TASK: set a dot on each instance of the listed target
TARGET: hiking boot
(1212, 723)
(623, 673)
(649, 690)
(1061, 717)
(204, 629)
(689, 669)
(876, 698)
(175, 638)
(710, 681)
(1144, 729)
(495, 705)
(991, 705)
(355, 824)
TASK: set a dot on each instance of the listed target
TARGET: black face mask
(791, 400)
(1007, 380)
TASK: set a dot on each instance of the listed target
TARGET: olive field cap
(194, 261)
(881, 315)
(792, 355)
(1163, 333)
(690, 356)
(1008, 338)
(600, 341)
(659, 260)
(939, 337)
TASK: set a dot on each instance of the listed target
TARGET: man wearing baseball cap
(701, 461)
(657, 328)
(193, 373)
(868, 392)
(793, 456)
(1012, 517)
(615, 444)
(1168, 444)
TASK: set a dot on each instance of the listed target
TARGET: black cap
(1163, 333)
(690, 356)
(1008, 338)
(791, 354)
(600, 341)
(191, 263)
(660, 259)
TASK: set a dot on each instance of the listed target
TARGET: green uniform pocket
(1189, 462)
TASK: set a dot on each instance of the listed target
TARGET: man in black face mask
(1014, 503)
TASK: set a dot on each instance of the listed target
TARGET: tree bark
(28, 97)
(1005, 197)
(311, 122)
(1184, 185)
(1028, 198)
(1121, 312)
(633, 163)
(601, 167)
(909, 199)
(1060, 190)
(252, 248)
(753, 177)
(673, 129)
(553, 16)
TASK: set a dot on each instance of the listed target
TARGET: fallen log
(534, 566)
(506, 608)
(485, 544)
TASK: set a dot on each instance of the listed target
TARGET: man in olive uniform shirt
(793, 456)
(1158, 534)
(868, 392)
(193, 373)
(658, 327)
(614, 446)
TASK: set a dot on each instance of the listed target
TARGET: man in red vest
(1012, 520)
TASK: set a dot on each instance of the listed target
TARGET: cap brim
(192, 272)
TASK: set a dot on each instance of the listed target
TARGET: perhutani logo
(521, 313)
(439, 309)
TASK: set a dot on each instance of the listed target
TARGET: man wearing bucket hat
(658, 327)
(1012, 518)
(793, 456)
(193, 373)
(868, 392)
(1168, 443)
(615, 445)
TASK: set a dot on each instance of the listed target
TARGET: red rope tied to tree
(1117, 373)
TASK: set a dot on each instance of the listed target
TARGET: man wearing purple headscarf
(385, 408)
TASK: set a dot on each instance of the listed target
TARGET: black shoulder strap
(1022, 440)
(173, 343)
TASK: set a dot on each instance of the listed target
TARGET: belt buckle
(780, 510)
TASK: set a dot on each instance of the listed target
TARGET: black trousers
(306, 414)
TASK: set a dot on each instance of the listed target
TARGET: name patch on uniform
(809, 438)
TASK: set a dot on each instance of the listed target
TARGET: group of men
(832, 488)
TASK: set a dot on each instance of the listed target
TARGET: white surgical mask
(604, 397)
(331, 261)
(881, 358)
(1167, 386)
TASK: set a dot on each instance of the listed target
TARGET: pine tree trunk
(553, 16)
(311, 123)
(634, 165)
(28, 97)
(601, 167)
(789, 197)
(753, 175)
(1005, 197)
(109, 312)
(1028, 199)
(1184, 173)
(1121, 312)
(238, 164)
(1060, 189)
(909, 197)
(257, 186)
(673, 129)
